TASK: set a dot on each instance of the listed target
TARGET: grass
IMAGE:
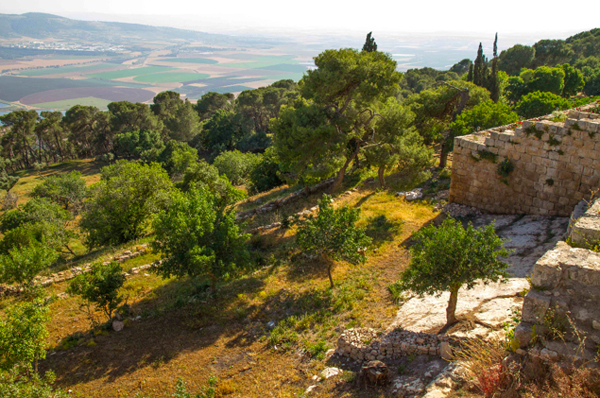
(67, 104)
(171, 77)
(224, 340)
(119, 74)
(66, 69)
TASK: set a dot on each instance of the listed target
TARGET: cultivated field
(106, 93)
(171, 77)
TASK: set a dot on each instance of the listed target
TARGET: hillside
(42, 26)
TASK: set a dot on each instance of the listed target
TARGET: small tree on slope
(447, 257)
(333, 235)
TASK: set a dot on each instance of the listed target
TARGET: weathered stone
(523, 334)
(330, 372)
(118, 325)
(446, 351)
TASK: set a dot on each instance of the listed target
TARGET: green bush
(540, 103)
(236, 165)
(100, 287)
(68, 190)
(14, 385)
(265, 173)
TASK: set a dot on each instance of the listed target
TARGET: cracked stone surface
(490, 305)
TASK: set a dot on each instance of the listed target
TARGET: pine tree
(370, 44)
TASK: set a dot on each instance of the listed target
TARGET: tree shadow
(437, 220)
(380, 229)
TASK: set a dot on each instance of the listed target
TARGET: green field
(119, 74)
(66, 69)
(190, 60)
(261, 61)
(67, 104)
(170, 77)
(293, 68)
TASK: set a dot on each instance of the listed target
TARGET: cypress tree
(479, 67)
(470, 74)
(494, 86)
(370, 44)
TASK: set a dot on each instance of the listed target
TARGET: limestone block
(535, 306)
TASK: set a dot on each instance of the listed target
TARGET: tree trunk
(380, 174)
(451, 309)
(443, 156)
(329, 274)
(342, 172)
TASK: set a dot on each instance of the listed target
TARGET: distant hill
(41, 26)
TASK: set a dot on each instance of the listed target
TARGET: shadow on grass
(380, 229)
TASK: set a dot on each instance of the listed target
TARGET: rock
(446, 350)
(407, 385)
(523, 334)
(330, 353)
(310, 389)
(521, 351)
(549, 355)
(330, 372)
(271, 325)
(374, 373)
(596, 325)
(118, 325)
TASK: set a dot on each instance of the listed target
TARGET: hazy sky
(537, 18)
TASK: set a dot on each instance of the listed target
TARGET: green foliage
(370, 44)
(236, 165)
(485, 154)
(333, 235)
(516, 58)
(13, 385)
(199, 237)
(547, 79)
(100, 287)
(504, 169)
(127, 117)
(482, 116)
(176, 158)
(68, 190)
(416, 80)
(180, 119)
(123, 202)
(21, 264)
(447, 257)
(223, 131)
(573, 81)
(540, 103)
(138, 145)
(265, 173)
(212, 102)
(206, 175)
(23, 336)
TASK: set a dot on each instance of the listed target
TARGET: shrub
(539, 104)
(68, 190)
(22, 263)
(265, 173)
(236, 165)
(123, 202)
(199, 237)
(100, 287)
(23, 336)
(333, 235)
(14, 385)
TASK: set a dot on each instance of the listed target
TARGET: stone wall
(548, 167)
(564, 295)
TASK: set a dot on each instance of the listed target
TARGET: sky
(530, 19)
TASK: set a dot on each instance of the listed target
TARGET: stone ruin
(539, 167)
(545, 168)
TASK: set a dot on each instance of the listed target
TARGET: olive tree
(333, 235)
(447, 257)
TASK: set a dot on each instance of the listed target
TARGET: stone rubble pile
(415, 194)
(457, 210)
(363, 344)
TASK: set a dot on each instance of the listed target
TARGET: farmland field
(67, 104)
(106, 93)
(189, 60)
(119, 74)
(170, 77)
(67, 69)
(14, 88)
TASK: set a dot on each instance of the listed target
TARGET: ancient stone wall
(538, 167)
(565, 292)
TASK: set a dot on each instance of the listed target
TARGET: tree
(493, 84)
(516, 58)
(547, 79)
(483, 116)
(224, 131)
(126, 117)
(68, 190)
(333, 235)
(515, 89)
(123, 202)
(236, 165)
(89, 130)
(447, 257)
(23, 263)
(315, 138)
(176, 157)
(540, 103)
(23, 335)
(370, 44)
(480, 69)
(138, 145)
(573, 81)
(552, 52)
(197, 236)
(14, 385)
(180, 119)
(19, 140)
(462, 67)
(205, 175)
(265, 173)
(212, 102)
(100, 287)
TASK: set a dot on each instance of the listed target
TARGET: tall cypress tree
(494, 83)
(470, 74)
(370, 44)
(479, 68)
